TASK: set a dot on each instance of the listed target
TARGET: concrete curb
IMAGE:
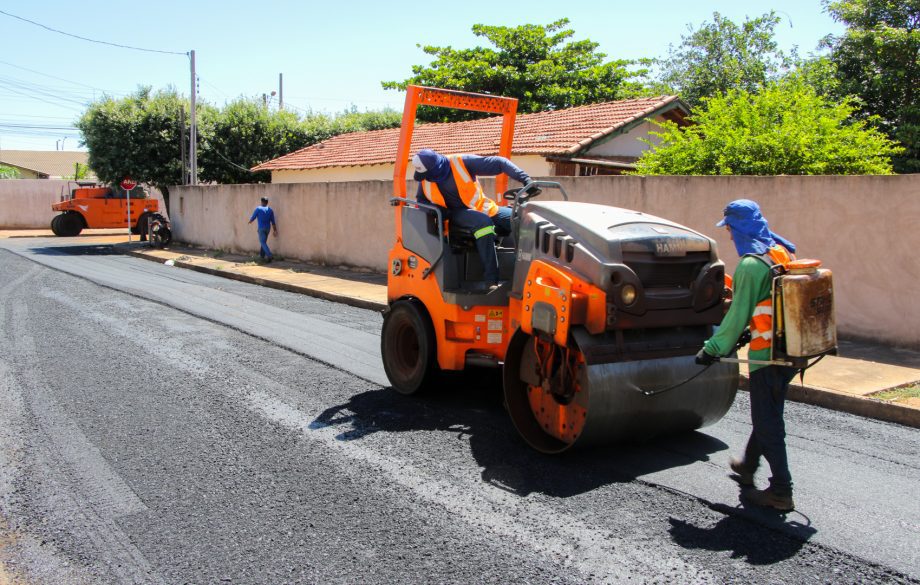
(860, 406)
(320, 294)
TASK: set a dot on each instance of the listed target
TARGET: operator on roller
(450, 183)
(752, 305)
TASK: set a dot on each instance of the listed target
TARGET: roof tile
(559, 132)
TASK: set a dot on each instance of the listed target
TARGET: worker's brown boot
(768, 499)
(743, 474)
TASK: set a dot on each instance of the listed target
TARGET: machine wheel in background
(56, 225)
(407, 344)
(71, 224)
(162, 237)
(140, 228)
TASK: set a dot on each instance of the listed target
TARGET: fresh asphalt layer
(835, 382)
(161, 425)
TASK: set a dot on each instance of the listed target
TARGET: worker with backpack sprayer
(786, 329)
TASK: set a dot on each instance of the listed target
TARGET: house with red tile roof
(597, 139)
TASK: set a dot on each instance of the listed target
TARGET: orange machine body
(104, 207)
(483, 331)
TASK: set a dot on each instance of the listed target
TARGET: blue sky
(332, 55)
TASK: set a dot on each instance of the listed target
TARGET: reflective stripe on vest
(469, 189)
(762, 324)
(762, 319)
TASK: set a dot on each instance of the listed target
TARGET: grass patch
(895, 394)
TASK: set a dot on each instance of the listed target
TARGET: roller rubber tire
(408, 347)
(140, 228)
(71, 224)
(56, 226)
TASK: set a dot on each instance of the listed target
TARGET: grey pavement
(228, 458)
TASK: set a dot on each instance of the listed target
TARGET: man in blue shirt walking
(266, 223)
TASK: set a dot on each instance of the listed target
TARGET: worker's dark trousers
(485, 244)
(768, 388)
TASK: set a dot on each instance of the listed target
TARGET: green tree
(720, 56)
(540, 65)
(351, 120)
(818, 72)
(878, 60)
(243, 134)
(785, 129)
(140, 136)
(137, 136)
(8, 172)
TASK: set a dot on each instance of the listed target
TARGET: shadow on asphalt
(470, 405)
(87, 250)
(756, 536)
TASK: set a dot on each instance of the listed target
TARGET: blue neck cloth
(750, 231)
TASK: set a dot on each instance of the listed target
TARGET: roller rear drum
(558, 400)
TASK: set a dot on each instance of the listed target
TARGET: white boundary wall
(863, 228)
(26, 203)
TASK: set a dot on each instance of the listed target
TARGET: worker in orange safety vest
(451, 183)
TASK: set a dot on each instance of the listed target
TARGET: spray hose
(742, 341)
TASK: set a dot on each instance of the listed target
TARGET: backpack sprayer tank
(803, 300)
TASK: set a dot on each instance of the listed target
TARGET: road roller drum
(610, 402)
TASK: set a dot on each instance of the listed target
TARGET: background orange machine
(91, 206)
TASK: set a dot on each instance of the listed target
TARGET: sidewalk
(840, 383)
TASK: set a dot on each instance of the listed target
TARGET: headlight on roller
(628, 294)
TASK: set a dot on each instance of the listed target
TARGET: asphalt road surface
(159, 425)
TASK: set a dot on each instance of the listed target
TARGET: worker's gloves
(532, 191)
(704, 359)
(744, 339)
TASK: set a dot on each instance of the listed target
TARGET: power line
(230, 161)
(36, 126)
(58, 104)
(66, 96)
(38, 24)
(33, 116)
(54, 77)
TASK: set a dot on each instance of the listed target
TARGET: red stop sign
(128, 183)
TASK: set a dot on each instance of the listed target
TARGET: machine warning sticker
(495, 325)
(496, 313)
(480, 318)
(494, 338)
